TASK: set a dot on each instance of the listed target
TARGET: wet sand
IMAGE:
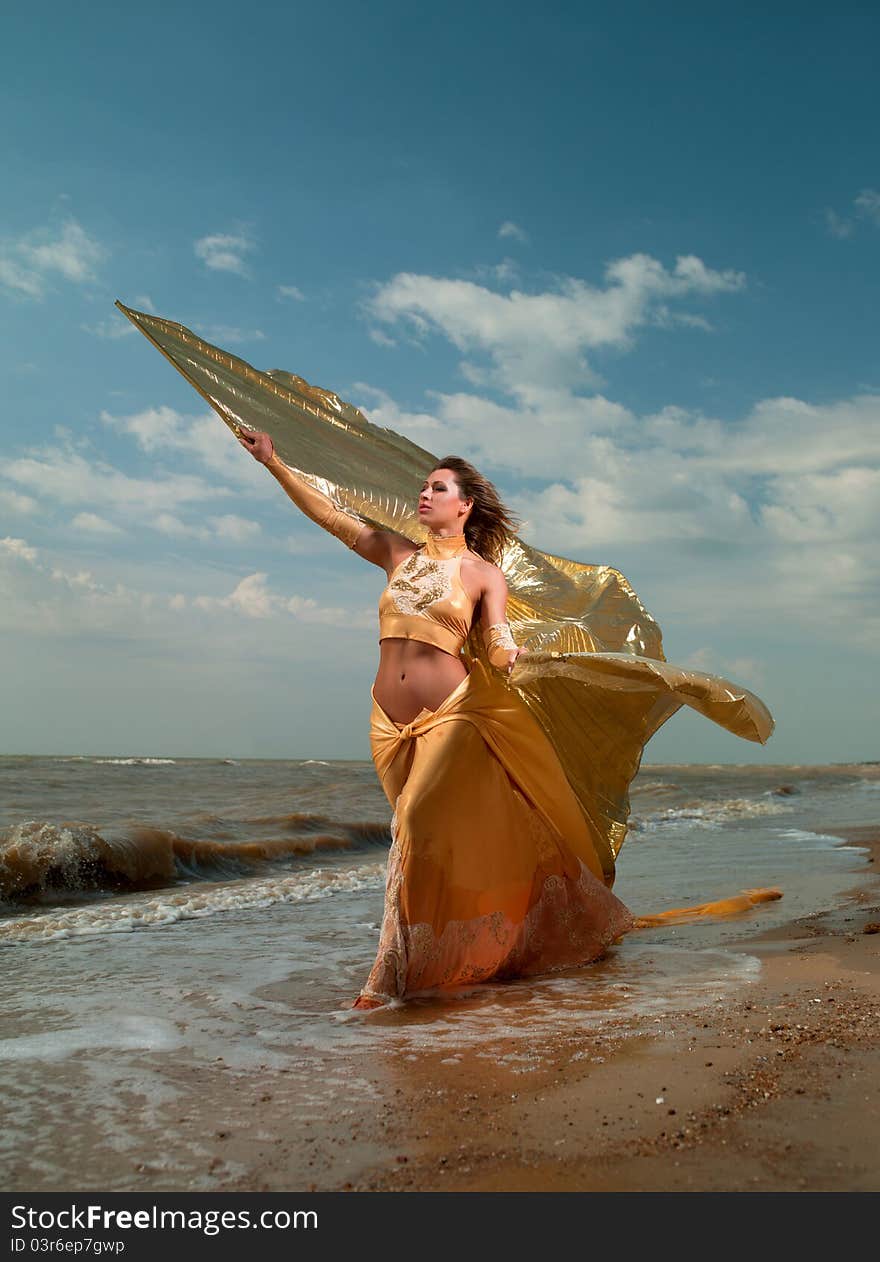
(779, 1091)
(776, 1089)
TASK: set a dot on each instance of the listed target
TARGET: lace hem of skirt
(571, 922)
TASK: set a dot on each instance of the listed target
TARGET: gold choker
(445, 546)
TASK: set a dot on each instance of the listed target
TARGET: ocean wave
(708, 814)
(191, 903)
(808, 835)
(40, 859)
(136, 762)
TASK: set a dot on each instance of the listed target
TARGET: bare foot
(363, 1001)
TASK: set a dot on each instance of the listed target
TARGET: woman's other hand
(258, 443)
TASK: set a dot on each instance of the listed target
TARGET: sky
(622, 257)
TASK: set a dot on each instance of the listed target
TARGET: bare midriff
(414, 676)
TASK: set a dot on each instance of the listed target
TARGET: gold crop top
(425, 598)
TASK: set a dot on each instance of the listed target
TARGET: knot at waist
(407, 731)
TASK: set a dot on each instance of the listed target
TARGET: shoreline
(780, 1092)
(776, 1088)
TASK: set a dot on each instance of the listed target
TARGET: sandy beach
(773, 1087)
(777, 1092)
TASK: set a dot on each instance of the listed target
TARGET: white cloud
(380, 338)
(228, 528)
(169, 524)
(110, 330)
(83, 579)
(665, 318)
(292, 292)
(170, 503)
(224, 252)
(21, 279)
(15, 503)
(46, 597)
(66, 477)
(234, 529)
(535, 338)
(72, 253)
(842, 506)
(18, 548)
(29, 263)
(93, 524)
(746, 670)
(204, 438)
(154, 428)
(838, 226)
(506, 272)
(253, 598)
(59, 596)
(229, 335)
(512, 231)
(305, 609)
(420, 426)
(867, 204)
(505, 436)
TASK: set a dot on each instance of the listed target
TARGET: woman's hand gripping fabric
(319, 507)
(501, 648)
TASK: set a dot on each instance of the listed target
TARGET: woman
(492, 872)
(508, 772)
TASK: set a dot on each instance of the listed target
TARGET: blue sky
(623, 260)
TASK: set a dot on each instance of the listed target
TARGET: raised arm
(373, 545)
(501, 648)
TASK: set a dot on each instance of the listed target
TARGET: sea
(227, 912)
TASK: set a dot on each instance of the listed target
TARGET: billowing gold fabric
(595, 679)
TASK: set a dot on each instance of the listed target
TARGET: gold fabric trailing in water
(595, 677)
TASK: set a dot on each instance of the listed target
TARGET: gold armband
(339, 522)
(499, 644)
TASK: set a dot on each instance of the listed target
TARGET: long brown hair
(489, 522)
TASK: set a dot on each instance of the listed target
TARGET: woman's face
(440, 504)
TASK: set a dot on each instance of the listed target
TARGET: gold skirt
(492, 871)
